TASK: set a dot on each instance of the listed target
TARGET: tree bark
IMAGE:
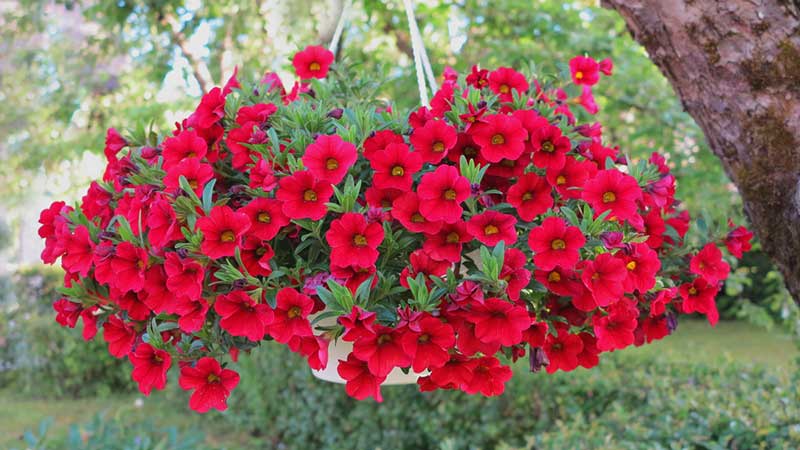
(735, 65)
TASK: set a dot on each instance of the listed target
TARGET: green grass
(694, 341)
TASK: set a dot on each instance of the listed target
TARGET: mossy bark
(735, 65)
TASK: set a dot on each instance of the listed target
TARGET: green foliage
(625, 402)
(41, 358)
(115, 433)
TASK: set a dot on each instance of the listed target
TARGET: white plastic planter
(339, 349)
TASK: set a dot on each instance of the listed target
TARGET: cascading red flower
(212, 385)
(290, 316)
(405, 209)
(562, 350)
(266, 217)
(497, 320)
(329, 158)
(395, 167)
(491, 227)
(354, 241)
(615, 191)
(550, 147)
(698, 297)
(441, 193)
(642, 264)
(489, 377)
(708, 263)
(428, 345)
(186, 144)
(360, 381)
(447, 243)
(197, 174)
(303, 196)
(604, 277)
(78, 252)
(243, 316)
(499, 137)
(150, 367)
(313, 62)
(554, 243)
(505, 80)
(584, 70)
(738, 241)
(531, 196)
(119, 335)
(434, 140)
(382, 350)
(615, 330)
(223, 230)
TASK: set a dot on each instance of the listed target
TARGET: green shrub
(628, 402)
(41, 358)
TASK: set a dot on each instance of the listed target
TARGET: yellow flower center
(527, 196)
(631, 265)
(453, 238)
(398, 171)
(293, 312)
(554, 277)
(314, 66)
(212, 378)
(692, 291)
(193, 184)
(609, 197)
(359, 240)
(227, 236)
(548, 147)
(498, 139)
(450, 194)
(264, 217)
(309, 195)
(384, 338)
(417, 218)
(490, 230)
(558, 244)
(578, 75)
(504, 89)
(561, 179)
(438, 147)
(331, 164)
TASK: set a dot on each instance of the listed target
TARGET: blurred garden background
(69, 69)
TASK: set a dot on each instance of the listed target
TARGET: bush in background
(625, 403)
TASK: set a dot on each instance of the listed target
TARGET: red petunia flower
(708, 263)
(304, 196)
(184, 275)
(113, 144)
(150, 367)
(329, 158)
(256, 255)
(360, 381)
(568, 180)
(354, 276)
(478, 78)
(239, 141)
(67, 312)
(353, 241)
(491, 227)
(379, 140)
(559, 281)
(454, 374)
(499, 137)
(192, 313)
(382, 350)
(129, 265)
(698, 297)
(211, 383)
(131, 303)
(405, 209)
(290, 316)
(489, 377)
(78, 252)
(550, 147)
(163, 227)
(562, 350)
(615, 330)
(395, 167)
(738, 241)
(434, 140)
(223, 230)
(588, 357)
(429, 345)
(642, 263)
(422, 263)
(514, 273)
(357, 323)
(266, 217)
(499, 321)
(604, 277)
(441, 193)
(262, 176)
(186, 144)
(505, 79)
(615, 191)
(258, 113)
(197, 174)
(446, 244)
(243, 316)
(156, 295)
(210, 110)
(555, 244)
(531, 196)
(313, 62)
(584, 70)
(119, 335)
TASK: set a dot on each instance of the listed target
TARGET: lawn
(694, 341)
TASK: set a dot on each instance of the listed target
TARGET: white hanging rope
(417, 49)
(428, 70)
(337, 34)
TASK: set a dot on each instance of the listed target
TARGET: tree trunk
(735, 65)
